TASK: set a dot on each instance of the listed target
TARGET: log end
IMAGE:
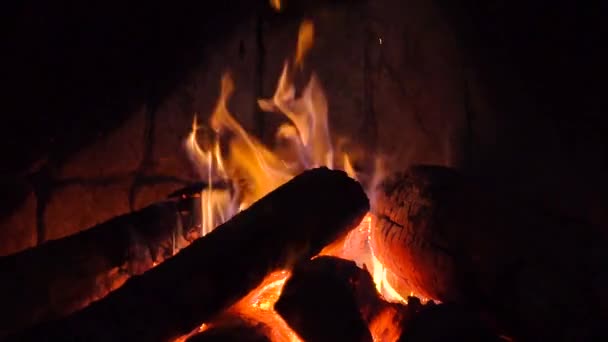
(405, 237)
(322, 300)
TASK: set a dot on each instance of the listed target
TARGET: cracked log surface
(445, 237)
(64, 275)
(290, 224)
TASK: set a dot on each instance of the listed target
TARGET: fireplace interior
(326, 170)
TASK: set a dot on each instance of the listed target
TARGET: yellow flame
(276, 4)
(348, 167)
(216, 204)
(382, 285)
(260, 168)
(308, 115)
(259, 305)
(254, 170)
(305, 41)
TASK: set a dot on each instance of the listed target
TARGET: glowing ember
(385, 326)
(356, 247)
(259, 305)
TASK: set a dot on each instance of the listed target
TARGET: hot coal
(231, 329)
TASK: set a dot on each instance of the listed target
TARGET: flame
(348, 167)
(230, 155)
(305, 40)
(248, 164)
(259, 305)
(385, 326)
(356, 246)
(276, 4)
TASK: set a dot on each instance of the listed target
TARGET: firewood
(446, 322)
(331, 299)
(64, 275)
(290, 224)
(441, 235)
(196, 188)
(321, 300)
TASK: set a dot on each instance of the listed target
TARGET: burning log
(541, 276)
(324, 299)
(196, 188)
(62, 276)
(292, 223)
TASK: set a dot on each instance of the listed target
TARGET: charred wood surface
(291, 224)
(329, 299)
(62, 276)
(446, 322)
(445, 237)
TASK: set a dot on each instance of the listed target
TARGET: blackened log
(291, 224)
(325, 298)
(64, 275)
(196, 188)
(542, 276)
(447, 322)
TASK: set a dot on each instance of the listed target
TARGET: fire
(276, 4)
(232, 156)
(385, 326)
(306, 34)
(356, 247)
(259, 305)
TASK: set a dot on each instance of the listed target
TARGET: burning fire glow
(231, 156)
(259, 305)
(276, 4)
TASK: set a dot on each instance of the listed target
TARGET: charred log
(320, 301)
(446, 322)
(196, 188)
(290, 224)
(62, 276)
(542, 276)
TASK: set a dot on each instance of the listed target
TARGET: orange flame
(255, 170)
(259, 305)
(356, 247)
(276, 4)
(248, 160)
(305, 41)
(385, 326)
